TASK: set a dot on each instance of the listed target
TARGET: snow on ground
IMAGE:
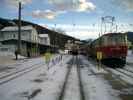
(42, 83)
(8, 59)
(15, 89)
(20, 65)
(122, 76)
(72, 91)
(95, 87)
(56, 76)
(94, 69)
(10, 54)
(129, 61)
(130, 57)
(3, 53)
(125, 71)
(129, 67)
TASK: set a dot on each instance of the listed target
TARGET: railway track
(125, 73)
(128, 70)
(6, 78)
(82, 97)
(122, 70)
(72, 82)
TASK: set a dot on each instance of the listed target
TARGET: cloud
(85, 6)
(44, 14)
(55, 7)
(128, 4)
(14, 3)
(83, 34)
(72, 5)
(80, 31)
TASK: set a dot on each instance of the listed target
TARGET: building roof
(15, 28)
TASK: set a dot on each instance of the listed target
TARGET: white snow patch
(94, 86)
(122, 76)
(11, 55)
(129, 67)
(18, 88)
(72, 91)
(129, 57)
(96, 69)
(97, 88)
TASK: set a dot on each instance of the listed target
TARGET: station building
(30, 40)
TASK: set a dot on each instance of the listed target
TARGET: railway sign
(99, 55)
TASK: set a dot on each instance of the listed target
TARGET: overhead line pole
(19, 28)
(55, 39)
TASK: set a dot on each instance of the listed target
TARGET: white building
(44, 39)
(29, 38)
(28, 33)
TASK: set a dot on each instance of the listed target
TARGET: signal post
(99, 58)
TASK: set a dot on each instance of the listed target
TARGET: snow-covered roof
(43, 35)
(15, 28)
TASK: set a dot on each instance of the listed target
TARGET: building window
(13, 35)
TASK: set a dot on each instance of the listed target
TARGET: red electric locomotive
(113, 47)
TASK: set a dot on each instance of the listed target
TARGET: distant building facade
(29, 39)
(44, 39)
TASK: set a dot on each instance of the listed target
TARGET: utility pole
(19, 28)
(116, 28)
(102, 20)
(107, 20)
(55, 39)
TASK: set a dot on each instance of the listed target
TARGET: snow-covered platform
(37, 80)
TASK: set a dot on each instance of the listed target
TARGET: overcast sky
(79, 18)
